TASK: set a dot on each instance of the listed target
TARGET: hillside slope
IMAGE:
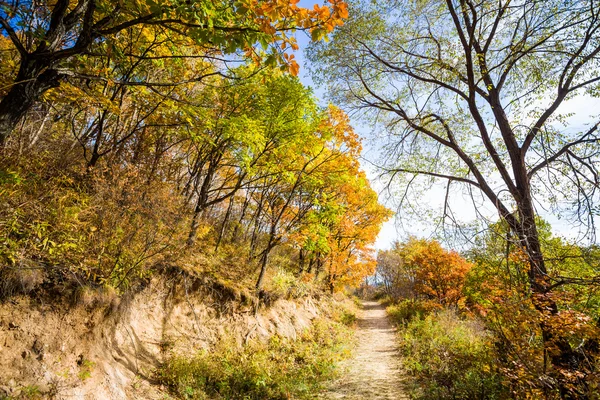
(109, 348)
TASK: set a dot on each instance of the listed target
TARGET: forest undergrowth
(465, 334)
(280, 368)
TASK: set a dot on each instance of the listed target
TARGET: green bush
(451, 358)
(407, 310)
(347, 318)
(279, 369)
(282, 282)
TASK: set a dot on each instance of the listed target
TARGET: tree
(495, 290)
(439, 273)
(350, 257)
(307, 173)
(420, 267)
(395, 274)
(470, 93)
(50, 39)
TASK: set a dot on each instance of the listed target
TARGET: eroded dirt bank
(109, 351)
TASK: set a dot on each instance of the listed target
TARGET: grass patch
(278, 369)
(450, 358)
(405, 311)
(348, 318)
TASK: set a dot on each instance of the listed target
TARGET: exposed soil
(91, 351)
(374, 373)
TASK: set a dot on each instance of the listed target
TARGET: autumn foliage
(428, 269)
(176, 135)
(483, 309)
(51, 44)
(440, 273)
(530, 328)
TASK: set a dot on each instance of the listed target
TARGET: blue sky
(433, 197)
(389, 233)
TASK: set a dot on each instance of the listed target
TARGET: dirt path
(374, 373)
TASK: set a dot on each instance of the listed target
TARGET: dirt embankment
(110, 351)
(375, 371)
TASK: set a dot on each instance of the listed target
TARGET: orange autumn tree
(354, 214)
(352, 257)
(336, 237)
(439, 274)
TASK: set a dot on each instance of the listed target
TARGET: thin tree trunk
(200, 204)
(255, 230)
(36, 136)
(195, 223)
(311, 264)
(331, 278)
(234, 234)
(319, 264)
(265, 256)
(300, 261)
(224, 224)
(263, 268)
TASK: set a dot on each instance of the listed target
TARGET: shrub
(451, 358)
(347, 318)
(282, 283)
(407, 310)
(357, 302)
(106, 228)
(278, 369)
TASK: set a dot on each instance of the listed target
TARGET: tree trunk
(224, 225)
(195, 224)
(561, 354)
(301, 261)
(331, 278)
(318, 265)
(263, 268)
(35, 76)
(201, 204)
(234, 234)
(311, 263)
(255, 229)
(265, 257)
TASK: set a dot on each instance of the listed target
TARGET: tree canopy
(184, 132)
(51, 41)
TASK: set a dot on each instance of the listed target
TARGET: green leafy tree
(51, 38)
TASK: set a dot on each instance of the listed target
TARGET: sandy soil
(92, 352)
(374, 372)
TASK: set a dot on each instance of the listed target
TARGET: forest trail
(374, 372)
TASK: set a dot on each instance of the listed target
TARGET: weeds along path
(374, 372)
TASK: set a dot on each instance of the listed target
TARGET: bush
(104, 228)
(357, 302)
(282, 282)
(347, 318)
(279, 369)
(407, 310)
(451, 358)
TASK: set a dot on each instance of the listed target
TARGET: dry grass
(21, 279)
(101, 297)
